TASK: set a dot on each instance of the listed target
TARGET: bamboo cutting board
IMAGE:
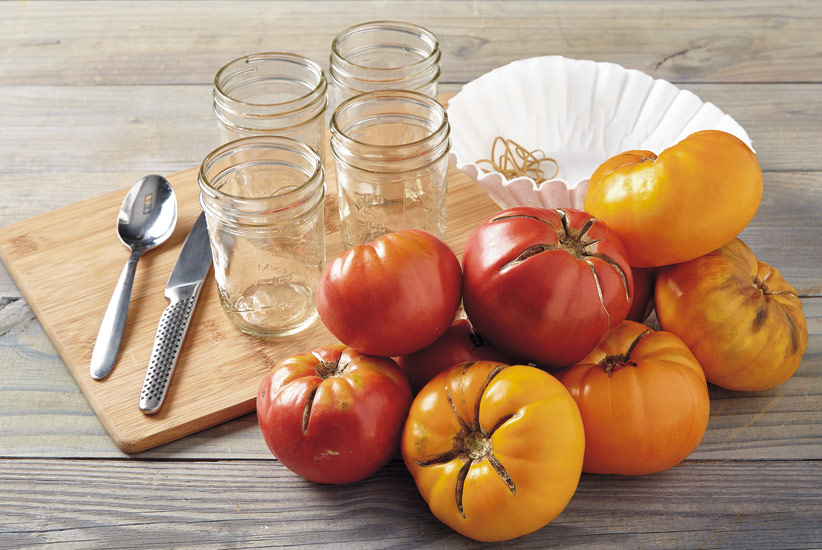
(66, 263)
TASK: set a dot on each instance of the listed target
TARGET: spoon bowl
(147, 218)
(148, 214)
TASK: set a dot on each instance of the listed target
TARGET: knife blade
(182, 291)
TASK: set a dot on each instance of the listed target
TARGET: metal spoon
(147, 218)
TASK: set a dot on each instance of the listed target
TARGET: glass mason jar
(263, 199)
(384, 55)
(270, 94)
(391, 155)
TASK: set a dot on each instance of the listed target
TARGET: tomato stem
(327, 369)
(762, 285)
(575, 242)
(611, 362)
(472, 443)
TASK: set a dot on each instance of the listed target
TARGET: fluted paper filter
(578, 112)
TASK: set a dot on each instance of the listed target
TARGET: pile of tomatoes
(552, 373)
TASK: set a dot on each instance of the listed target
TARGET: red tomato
(460, 343)
(333, 415)
(545, 285)
(392, 296)
(643, 301)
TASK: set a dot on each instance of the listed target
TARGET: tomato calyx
(325, 369)
(472, 443)
(611, 362)
(328, 369)
(762, 284)
(575, 242)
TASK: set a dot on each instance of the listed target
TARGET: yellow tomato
(496, 450)
(695, 197)
(740, 318)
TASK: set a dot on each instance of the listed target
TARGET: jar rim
(336, 131)
(242, 144)
(273, 131)
(313, 66)
(344, 82)
(428, 36)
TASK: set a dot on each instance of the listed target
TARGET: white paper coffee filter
(578, 112)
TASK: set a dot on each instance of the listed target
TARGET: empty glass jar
(263, 199)
(391, 156)
(384, 55)
(274, 94)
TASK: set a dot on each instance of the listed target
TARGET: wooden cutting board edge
(6, 243)
(463, 196)
(127, 442)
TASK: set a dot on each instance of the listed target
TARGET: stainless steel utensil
(182, 290)
(147, 218)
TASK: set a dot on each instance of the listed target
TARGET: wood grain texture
(219, 368)
(260, 504)
(74, 150)
(186, 42)
(94, 95)
(55, 132)
(49, 415)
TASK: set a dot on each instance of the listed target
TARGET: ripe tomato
(643, 399)
(333, 415)
(741, 319)
(545, 285)
(392, 296)
(460, 343)
(696, 196)
(495, 450)
(642, 303)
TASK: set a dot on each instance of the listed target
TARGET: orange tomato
(740, 318)
(496, 450)
(693, 198)
(643, 399)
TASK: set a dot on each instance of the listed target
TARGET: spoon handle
(108, 341)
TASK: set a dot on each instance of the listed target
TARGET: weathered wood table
(94, 95)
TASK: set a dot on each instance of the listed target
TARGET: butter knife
(182, 291)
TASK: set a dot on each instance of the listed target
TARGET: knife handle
(167, 343)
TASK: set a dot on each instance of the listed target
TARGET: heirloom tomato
(333, 415)
(460, 343)
(643, 400)
(392, 296)
(741, 319)
(693, 198)
(495, 450)
(545, 285)
(643, 300)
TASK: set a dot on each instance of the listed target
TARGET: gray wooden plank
(787, 228)
(63, 144)
(46, 415)
(94, 95)
(91, 43)
(259, 504)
